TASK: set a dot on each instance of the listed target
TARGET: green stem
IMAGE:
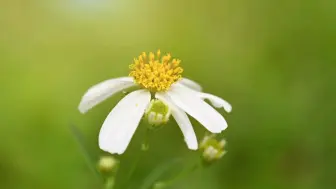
(109, 184)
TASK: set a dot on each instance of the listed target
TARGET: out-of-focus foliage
(274, 61)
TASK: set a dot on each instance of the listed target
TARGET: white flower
(162, 78)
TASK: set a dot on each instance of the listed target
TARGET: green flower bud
(157, 113)
(212, 149)
(107, 164)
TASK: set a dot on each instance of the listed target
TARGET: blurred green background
(274, 61)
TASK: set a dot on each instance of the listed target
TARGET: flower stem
(109, 184)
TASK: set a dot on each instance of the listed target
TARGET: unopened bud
(212, 149)
(107, 164)
(157, 113)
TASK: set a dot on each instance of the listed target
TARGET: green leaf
(90, 158)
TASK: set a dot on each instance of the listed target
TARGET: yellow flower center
(155, 73)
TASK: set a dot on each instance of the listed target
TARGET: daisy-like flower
(160, 79)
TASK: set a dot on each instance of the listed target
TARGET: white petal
(182, 120)
(191, 84)
(121, 123)
(216, 101)
(102, 91)
(188, 101)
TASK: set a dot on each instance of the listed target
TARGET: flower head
(164, 92)
(155, 73)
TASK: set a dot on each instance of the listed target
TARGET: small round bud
(212, 149)
(157, 113)
(107, 164)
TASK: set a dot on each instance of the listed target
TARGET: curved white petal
(182, 120)
(191, 84)
(217, 101)
(120, 125)
(188, 101)
(102, 91)
(214, 100)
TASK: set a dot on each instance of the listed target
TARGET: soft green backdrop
(274, 61)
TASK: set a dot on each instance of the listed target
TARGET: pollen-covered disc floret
(154, 72)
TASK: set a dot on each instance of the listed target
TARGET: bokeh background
(274, 61)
